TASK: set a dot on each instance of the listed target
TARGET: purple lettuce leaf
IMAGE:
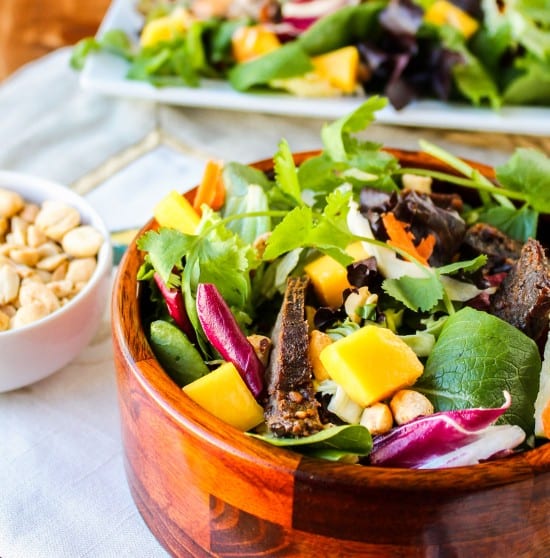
(423, 440)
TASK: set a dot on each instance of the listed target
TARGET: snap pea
(177, 355)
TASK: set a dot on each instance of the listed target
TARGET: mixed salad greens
(488, 52)
(311, 304)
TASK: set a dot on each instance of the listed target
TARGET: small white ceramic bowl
(34, 351)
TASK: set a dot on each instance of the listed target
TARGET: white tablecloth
(63, 492)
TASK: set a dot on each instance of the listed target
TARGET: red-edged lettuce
(445, 438)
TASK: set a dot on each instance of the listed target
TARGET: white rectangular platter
(106, 73)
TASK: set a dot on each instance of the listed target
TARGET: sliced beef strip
(291, 409)
(523, 298)
(501, 250)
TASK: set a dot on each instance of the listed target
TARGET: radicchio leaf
(175, 306)
(423, 440)
(222, 330)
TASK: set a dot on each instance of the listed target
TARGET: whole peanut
(46, 258)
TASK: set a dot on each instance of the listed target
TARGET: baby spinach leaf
(475, 358)
(469, 266)
(287, 61)
(343, 27)
(348, 438)
(520, 224)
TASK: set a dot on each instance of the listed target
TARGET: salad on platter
(352, 307)
(480, 52)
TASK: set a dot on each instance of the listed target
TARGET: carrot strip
(211, 190)
(402, 238)
(426, 246)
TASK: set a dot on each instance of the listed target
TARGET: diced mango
(442, 12)
(175, 212)
(224, 394)
(339, 67)
(329, 278)
(165, 28)
(249, 42)
(371, 364)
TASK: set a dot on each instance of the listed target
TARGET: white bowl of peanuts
(55, 267)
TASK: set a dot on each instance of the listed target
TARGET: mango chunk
(165, 28)
(175, 212)
(249, 42)
(442, 12)
(339, 67)
(371, 364)
(329, 278)
(223, 393)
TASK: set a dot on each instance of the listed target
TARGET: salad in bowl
(351, 306)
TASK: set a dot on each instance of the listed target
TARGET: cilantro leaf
(286, 176)
(292, 232)
(337, 136)
(166, 249)
(327, 232)
(528, 171)
(320, 174)
(416, 293)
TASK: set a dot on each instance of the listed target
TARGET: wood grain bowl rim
(140, 361)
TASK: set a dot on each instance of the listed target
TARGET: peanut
(46, 258)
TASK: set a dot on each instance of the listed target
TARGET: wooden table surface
(30, 29)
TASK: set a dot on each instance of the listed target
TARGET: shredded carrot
(546, 420)
(211, 190)
(426, 246)
(402, 238)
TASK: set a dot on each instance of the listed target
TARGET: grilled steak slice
(523, 298)
(501, 250)
(292, 409)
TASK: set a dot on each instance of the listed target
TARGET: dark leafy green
(475, 358)
(343, 27)
(332, 443)
(288, 61)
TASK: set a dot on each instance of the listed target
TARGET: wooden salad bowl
(206, 489)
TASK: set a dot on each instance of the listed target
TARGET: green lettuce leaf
(346, 26)
(350, 439)
(528, 171)
(287, 61)
(476, 356)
